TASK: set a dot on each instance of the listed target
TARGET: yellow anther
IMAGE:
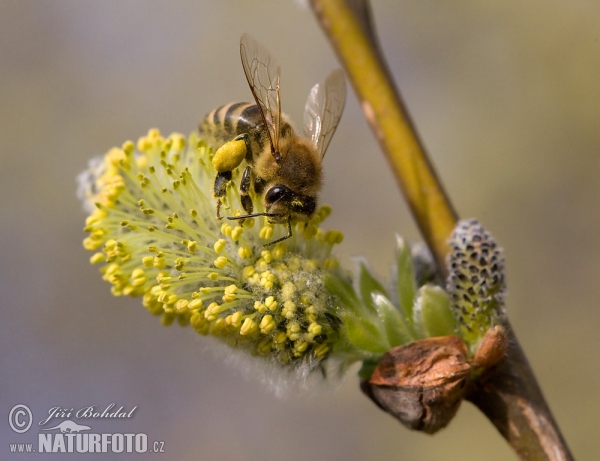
(315, 329)
(244, 252)
(138, 282)
(212, 311)
(288, 290)
(294, 263)
(264, 347)
(248, 327)
(293, 330)
(248, 271)
(266, 232)
(289, 309)
(114, 156)
(195, 304)
(260, 307)
(128, 147)
(181, 304)
(205, 290)
(226, 229)
(219, 245)
(213, 276)
(323, 212)
(159, 262)
(234, 320)
(144, 144)
(112, 269)
(91, 244)
(310, 265)
(97, 258)
(305, 300)
(163, 278)
(271, 303)
(279, 250)
(262, 265)
(331, 264)
(334, 236)
(236, 233)
(177, 141)
(148, 261)
(267, 324)
(266, 255)
(300, 346)
(218, 326)
(154, 133)
(309, 231)
(220, 262)
(321, 350)
(249, 223)
(192, 246)
(230, 293)
(280, 338)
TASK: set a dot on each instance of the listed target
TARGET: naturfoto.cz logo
(68, 436)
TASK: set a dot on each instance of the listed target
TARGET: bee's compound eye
(276, 193)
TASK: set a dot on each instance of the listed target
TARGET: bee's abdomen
(228, 121)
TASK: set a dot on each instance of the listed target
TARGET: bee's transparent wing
(262, 73)
(323, 110)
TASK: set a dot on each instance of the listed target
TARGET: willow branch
(354, 41)
(508, 395)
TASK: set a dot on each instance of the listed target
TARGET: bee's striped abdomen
(226, 122)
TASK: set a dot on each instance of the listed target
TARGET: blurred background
(506, 96)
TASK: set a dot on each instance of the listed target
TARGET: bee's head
(282, 201)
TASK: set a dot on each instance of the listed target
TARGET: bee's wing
(323, 110)
(262, 73)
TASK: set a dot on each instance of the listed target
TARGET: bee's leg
(244, 191)
(289, 223)
(220, 188)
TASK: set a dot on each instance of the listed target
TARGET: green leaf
(368, 286)
(397, 328)
(433, 313)
(344, 291)
(364, 335)
(406, 278)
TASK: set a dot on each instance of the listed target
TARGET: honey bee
(283, 167)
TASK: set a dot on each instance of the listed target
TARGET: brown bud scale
(422, 383)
